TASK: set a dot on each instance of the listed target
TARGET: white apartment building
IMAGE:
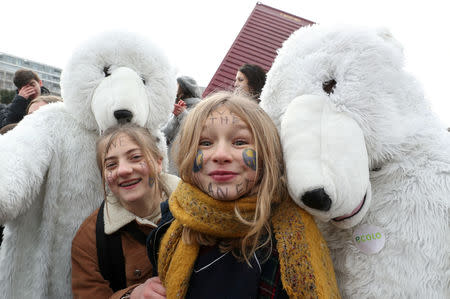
(9, 64)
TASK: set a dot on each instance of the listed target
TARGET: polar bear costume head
(118, 77)
(344, 106)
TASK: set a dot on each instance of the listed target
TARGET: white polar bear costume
(49, 180)
(365, 155)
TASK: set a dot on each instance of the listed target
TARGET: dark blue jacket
(219, 275)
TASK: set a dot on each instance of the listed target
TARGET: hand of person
(179, 107)
(151, 289)
(182, 103)
(26, 92)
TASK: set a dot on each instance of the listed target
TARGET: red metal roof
(263, 33)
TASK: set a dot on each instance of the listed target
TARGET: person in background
(250, 80)
(232, 231)
(188, 95)
(7, 128)
(29, 86)
(41, 101)
(108, 251)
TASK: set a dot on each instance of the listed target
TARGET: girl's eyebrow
(241, 126)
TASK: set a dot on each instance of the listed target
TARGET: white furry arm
(25, 154)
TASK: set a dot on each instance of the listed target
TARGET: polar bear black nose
(123, 116)
(317, 199)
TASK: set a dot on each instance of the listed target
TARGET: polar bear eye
(328, 86)
(106, 71)
(143, 80)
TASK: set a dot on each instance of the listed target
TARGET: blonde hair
(146, 142)
(46, 99)
(270, 172)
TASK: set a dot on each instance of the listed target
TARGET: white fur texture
(49, 181)
(408, 154)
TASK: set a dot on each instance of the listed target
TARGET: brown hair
(7, 128)
(23, 76)
(269, 170)
(146, 142)
(47, 99)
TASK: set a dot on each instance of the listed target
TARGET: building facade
(9, 64)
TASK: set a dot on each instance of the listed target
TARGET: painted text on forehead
(223, 116)
(120, 140)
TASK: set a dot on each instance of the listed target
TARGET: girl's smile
(130, 184)
(222, 175)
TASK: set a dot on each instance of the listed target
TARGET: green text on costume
(368, 237)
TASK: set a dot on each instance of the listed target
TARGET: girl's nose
(124, 169)
(222, 153)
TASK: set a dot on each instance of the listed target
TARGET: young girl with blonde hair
(108, 251)
(232, 231)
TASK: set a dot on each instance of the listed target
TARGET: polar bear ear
(385, 34)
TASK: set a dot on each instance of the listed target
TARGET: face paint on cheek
(222, 193)
(151, 182)
(109, 177)
(198, 162)
(249, 157)
(143, 165)
(210, 189)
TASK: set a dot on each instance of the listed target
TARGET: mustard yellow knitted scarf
(305, 264)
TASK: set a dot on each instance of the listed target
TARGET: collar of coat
(116, 216)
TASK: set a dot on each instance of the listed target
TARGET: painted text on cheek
(243, 187)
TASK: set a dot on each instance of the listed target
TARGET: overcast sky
(196, 35)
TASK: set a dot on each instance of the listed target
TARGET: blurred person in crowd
(41, 101)
(29, 86)
(250, 80)
(188, 95)
(7, 128)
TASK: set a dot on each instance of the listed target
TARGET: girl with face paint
(232, 230)
(130, 164)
